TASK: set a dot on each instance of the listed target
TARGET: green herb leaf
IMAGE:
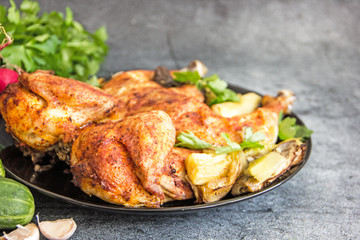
(289, 129)
(251, 140)
(2, 14)
(69, 16)
(13, 13)
(249, 145)
(187, 77)
(30, 7)
(2, 170)
(216, 89)
(50, 42)
(101, 34)
(189, 140)
(226, 96)
(302, 132)
(215, 84)
(253, 137)
(231, 146)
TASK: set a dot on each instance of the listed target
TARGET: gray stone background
(310, 47)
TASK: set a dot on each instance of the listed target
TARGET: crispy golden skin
(187, 110)
(128, 162)
(173, 180)
(132, 161)
(293, 150)
(265, 118)
(43, 109)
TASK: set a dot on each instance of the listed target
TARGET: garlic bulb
(60, 229)
(28, 232)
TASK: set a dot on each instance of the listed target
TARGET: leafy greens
(191, 141)
(52, 42)
(216, 90)
(289, 129)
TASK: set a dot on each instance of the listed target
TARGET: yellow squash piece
(212, 176)
(248, 103)
(203, 167)
(268, 168)
(265, 167)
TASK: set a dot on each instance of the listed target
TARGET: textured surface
(310, 47)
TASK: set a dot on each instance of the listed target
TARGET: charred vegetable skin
(268, 168)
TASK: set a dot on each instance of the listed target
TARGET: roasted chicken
(187, 110)
(44, 112)
(131, 162)
(121, 137)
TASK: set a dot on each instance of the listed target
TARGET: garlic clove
(60, 229)
(28, 232)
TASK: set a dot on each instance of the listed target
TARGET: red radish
(7, 76)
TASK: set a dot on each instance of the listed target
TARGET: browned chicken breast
(130, 162)
(187, 110)
(122, 137)
(173, 180)
(43, 110)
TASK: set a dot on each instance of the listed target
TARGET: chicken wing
(43, 110)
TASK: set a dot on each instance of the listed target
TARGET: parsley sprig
(52, 42)
(289, 129)
(191, 141)
(216, 90)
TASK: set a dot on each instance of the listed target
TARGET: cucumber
(2, 170)
(16, 204)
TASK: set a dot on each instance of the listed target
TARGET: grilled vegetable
(247, 104)
(202, 167)
(212, 176)
(268, 168)
(264, 167)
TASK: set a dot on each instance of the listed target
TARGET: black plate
(56, 183)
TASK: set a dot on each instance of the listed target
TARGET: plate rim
(176, 209)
